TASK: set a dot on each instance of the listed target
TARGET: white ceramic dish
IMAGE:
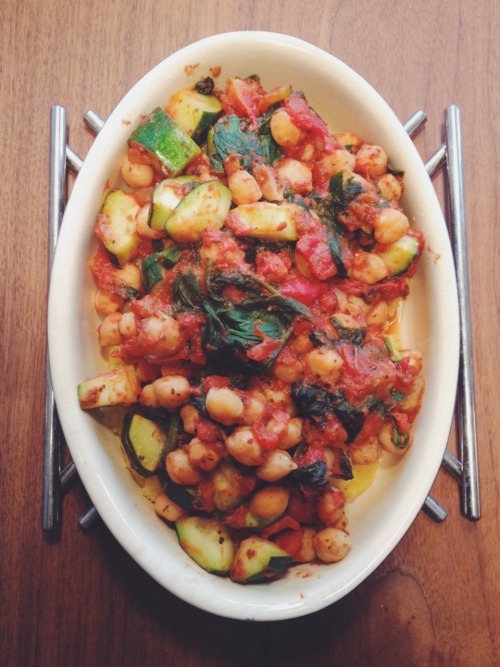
(380, 517)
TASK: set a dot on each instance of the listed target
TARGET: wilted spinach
(232, 328)
(316, 404)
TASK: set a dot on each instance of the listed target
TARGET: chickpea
(254, 406)
(390, 187)
(378, 314)
(390, 225)
(142, 227)
(167, 509)
(109, 330)
(295, 174)
(270, 502)
(324, 361)
(306, 552)
(302, 344)
(149, 397)
(244, 447)
(244, 188)
(331, 544)
(284, 131)
(204, 455)
(330, 507)
(137, 175)
(172, 391)
(189, 415)
(278, 464)
(271, 188)
(348, 139)
(389, 437)
(224, 405)
(127, 325)
(289, 372)
(302, 264)
(180, 468)
(292, 435)
(365, 453)
(160, 334)
(341, 522)
(368, 267)
(106, 303)
(130, 276)
(371, 160)
(337, 161)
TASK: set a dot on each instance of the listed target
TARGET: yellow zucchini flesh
(265, 221)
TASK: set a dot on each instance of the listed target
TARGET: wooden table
(79, 599)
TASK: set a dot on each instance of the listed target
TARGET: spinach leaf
(335, 232)
(345, 467)
(231, 329)
(343, 189)
(316, 404)
(314, 475)
(229, 139)
(272, 150)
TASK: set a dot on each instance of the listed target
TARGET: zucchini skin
(160, 136)
(144, 441)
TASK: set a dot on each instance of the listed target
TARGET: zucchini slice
(144, 441)
(166, 196)
(265, 221)
(165, 141)
(194, 113)
(228, 488)
(207, 542)
(259, 560)
(117, 387)
(116, 226)
(205, 207)
(400, 255)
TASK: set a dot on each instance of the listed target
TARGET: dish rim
(131, 537)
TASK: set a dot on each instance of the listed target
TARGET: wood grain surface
(79, 599)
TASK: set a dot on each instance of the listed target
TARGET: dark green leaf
(343, 189)
(316, 404)
(345, 467)
(314, 475)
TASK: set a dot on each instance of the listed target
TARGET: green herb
(232, 328)
(316, 404)
(314, 475)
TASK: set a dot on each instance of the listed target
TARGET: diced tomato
(216, 382)
(268, 438)
(314, 249)
(304, 117)
(289, 540)
(244, 96)
(264, 350)
(371, 425)
(207, 430)
(286, 522)
(103, 269)
(205, 496)
(272, 266)
(366, 371)
(237, 518)
(302, 289)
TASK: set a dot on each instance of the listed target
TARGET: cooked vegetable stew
(250, 272)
